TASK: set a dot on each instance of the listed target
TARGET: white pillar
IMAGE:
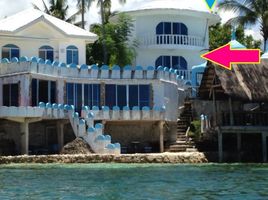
(60, 131)
(25, 138)
(161, 136)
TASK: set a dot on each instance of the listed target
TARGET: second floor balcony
(171, 41)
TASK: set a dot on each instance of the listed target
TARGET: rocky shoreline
(173, 158)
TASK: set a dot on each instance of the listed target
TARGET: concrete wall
(146, 133)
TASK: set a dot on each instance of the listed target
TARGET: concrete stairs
(183, 143)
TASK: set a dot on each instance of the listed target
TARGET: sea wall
(194, 157)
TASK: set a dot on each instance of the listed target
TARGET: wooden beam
(231, 112)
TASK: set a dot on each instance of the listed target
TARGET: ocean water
(133, 181)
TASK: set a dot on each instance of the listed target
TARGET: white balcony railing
(184, 74)
(170, 39)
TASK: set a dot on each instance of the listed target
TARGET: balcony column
(239, 146)
(161, 136)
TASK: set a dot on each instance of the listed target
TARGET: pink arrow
(225, 56)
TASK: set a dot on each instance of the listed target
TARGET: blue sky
(92, 16)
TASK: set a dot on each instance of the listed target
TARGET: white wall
(33, 37)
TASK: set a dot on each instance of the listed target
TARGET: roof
(245, 82)
(194, 8)
(15, 23)
(237, 45)
(196, 5)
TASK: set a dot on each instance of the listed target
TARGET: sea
(134, 181)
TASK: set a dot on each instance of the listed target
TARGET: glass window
(88, 95)
(96, 95)
(121, 96)
(10, 51)
(176, 62)
(46, 53)
(70, 93)
(72, 55)
(43, 91)
(78, 99)
(171, 28)
(144, 95)
(11, 94)
(167, 28)
(133, 96)
(110, 95)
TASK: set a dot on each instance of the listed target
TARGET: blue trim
(48, 62)
(117, 146)
(104, 67)
(48, 105)
(128, 68)
(108, 137)
(150, 68)
(160, 68)
(55, 63)
(55, 106)
(136, 108)
(145, 108)
(62, 65)
(82, 122)
(90, 115)
(116, 68)
(40, 61)
(111, 146)
(138, 68)
(95, 108)
(84, 66)
(100, 138)
(116, 108)
(24, 59)
(105, 108)
(91, 130)
(34, 59)
(94, 67)
(14, 60)
(73, 66)
(126, 108)
(42, 105)
(98, 126)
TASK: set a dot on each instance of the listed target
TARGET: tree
(249, 12)
(116, 40)
(220, 35)
(83, 5)
(59, 9)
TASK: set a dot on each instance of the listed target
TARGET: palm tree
(59, 9)
(83, 5)
(250, 12)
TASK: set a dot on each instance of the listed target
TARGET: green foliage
(116, 40)
(221, 34)
(195, 130)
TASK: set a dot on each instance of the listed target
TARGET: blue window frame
(116, 95)
(139, 95)
(10, 51)
(92, 95)
(74, 95)
(46, 52)
(72, 55)
(175, 62)
(133, 95)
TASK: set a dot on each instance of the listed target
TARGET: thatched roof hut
(245, 82)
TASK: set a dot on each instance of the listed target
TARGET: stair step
(191, 150)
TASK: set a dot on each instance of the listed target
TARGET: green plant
(195, 130)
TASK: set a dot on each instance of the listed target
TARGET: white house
(48, 96)
(34, 33)
(171, 33)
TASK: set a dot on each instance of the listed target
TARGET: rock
(77, 146)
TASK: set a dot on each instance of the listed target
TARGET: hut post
(231, 112)
(239, 146)
(220, 149)
(214, 108)
(264, 146)
(60, 131)
(24, 137)
(161, 136)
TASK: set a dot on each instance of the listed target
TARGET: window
(92, 95)
(171, 32)
(116, 95)
(175, 62)
(127, 95)
(46, 53)
(72, 55)
(74, 95)
(10, 51)
(171, 28)
(43, 91)
(11, 94)
(139, 95)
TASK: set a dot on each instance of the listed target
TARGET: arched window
(72, 54)
(46, 53)
(174, 28)
(171, 32)
(10, 51)
(175, 62)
